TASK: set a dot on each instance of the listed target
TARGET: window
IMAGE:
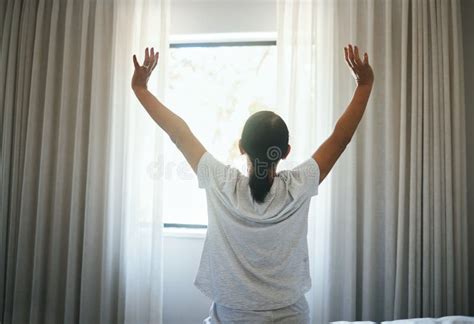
(214, 86)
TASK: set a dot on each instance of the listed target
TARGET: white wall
(222, 16)
(183, 303)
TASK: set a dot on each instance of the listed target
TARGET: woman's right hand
(142, 72)
(361, 70)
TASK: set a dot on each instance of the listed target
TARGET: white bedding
(442, 320)
(361, 322)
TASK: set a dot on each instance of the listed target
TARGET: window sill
(198, 233)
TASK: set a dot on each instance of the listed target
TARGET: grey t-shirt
(255, 256)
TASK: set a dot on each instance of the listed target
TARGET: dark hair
(265, 140)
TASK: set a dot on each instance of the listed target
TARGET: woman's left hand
(142, 72)
(361, 70)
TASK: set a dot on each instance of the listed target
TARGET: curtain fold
(388, 230)
(80, 218)
(467, 12)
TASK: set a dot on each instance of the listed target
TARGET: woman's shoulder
(210, 171)
(302, 178)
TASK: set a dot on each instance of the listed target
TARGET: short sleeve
(304, 178)
(211, 172)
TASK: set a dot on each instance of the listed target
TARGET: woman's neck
(269, 173)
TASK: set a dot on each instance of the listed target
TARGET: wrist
(365, 82)
(362, 93)
(365, 86)
(139, 88)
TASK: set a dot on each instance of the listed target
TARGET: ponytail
(259, 180)
(264, 139)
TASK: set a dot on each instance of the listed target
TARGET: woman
(254, 265)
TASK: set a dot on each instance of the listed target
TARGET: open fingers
(366, 59)
(351, 56)
(155, 60)
(357, 57)
(135, 62)
(146, 62)
(346, 56)
(152, 59)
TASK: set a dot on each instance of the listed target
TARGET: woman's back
(255, 254)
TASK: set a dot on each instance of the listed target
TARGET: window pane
(214, 89)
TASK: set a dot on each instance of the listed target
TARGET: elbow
(176, 139)
(342, 137)
(179, 133)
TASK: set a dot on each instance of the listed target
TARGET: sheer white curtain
(388, 229)
(80, 216)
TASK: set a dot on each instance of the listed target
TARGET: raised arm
(328, 153)
(172, 124)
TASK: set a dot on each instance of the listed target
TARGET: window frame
(215, 40)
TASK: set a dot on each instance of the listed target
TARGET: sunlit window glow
(214, 89)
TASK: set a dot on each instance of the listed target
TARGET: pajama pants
(297, 313)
